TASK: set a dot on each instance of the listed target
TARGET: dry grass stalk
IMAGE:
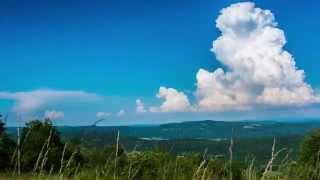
(199, 168)
(116, 156)
(250, 173)
(273, 157)
(231, 154)
(14, 155)
(62, 161)
(204, 173)
(39, 158)
(45, 156)
(19, 148)
(129, 171)
(51, 170)
(71, 159)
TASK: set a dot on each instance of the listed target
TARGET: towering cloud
(257, 71)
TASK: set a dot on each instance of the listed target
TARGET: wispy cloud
(30, 101)
(101, 115)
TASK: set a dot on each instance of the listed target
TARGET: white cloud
(174, 101)
(101, 115)
(53, 114)
(140, 106)
(29, 101)
(257, 70)
(121, 113)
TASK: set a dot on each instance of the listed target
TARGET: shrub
(310, 148)
(7, 146)
(41, 146)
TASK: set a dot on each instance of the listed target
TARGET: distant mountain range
(207, 129)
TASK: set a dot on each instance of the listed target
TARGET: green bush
(43, 150)
(149, 164)
(310, 148)
(41, 147)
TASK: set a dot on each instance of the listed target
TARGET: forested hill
(204, 129)
(213, 136)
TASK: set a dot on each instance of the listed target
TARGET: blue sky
(123, 50)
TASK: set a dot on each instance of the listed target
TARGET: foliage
(72, 158)
(7, 146)
(42, 148)
(310, 148)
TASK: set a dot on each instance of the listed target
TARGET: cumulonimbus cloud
(257, 69)
(30, 101)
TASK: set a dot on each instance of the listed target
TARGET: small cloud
(251, 126)
(121, 113)
(140, 106)
(101, 115)
(53, 114)
(174, 101)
